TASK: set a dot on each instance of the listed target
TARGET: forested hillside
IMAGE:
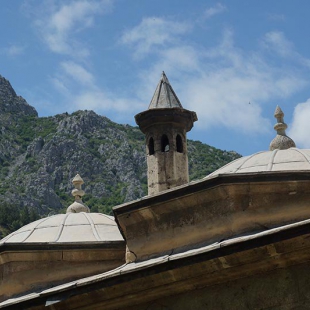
(39, 156)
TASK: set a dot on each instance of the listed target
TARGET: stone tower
(165, 124)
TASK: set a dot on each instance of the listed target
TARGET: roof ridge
(92, 225)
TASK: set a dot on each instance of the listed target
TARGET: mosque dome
(282, 155)
(60, 248)
(70, 227)
(292, 159)
(78, 225)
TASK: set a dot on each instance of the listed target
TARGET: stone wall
(280, 289)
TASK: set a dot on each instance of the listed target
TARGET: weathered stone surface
(165, 124)
(282, 289)
(261, 271)
(281, 141)
(211, 210)
(27, 272)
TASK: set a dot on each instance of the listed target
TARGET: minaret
(281, 141)
(165, 124)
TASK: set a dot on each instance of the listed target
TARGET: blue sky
(230, 61)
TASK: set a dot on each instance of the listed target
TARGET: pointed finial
(281, 141)
(280, 126)
(78, 193)
(164, 77)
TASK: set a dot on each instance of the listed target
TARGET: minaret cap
(281, 141)
(164, 96)
(78, 193)
(165, 108)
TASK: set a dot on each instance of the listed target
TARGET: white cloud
(60, 85)
(77, 72)
(276, 42)
(85, 94)
(60, 22)
(185, 56)
(12, 50)
(98, 100)
(219, 83)
(91, 100)
(233, 97)
(153, 32)
(300, 127)
(217, 9)
(224, 85)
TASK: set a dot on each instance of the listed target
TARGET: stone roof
(292, 159)
(217, 249)
(164, 96)
(67, 228)
(77, 225)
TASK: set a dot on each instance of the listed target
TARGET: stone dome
(67, 228)
(292, 159)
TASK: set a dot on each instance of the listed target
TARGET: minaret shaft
(165, 124)
(168, 165)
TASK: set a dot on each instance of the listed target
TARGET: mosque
(237, 239)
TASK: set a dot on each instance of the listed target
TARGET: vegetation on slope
(39, 156)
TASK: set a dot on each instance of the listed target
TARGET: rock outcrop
(39, 156)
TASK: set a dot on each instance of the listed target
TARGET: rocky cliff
(39, 156)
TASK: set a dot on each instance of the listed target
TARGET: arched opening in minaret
(165, 147)
(151, 146)
(179, 143)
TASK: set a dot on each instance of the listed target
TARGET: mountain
(39, 156)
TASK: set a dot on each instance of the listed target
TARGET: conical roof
(164, 96)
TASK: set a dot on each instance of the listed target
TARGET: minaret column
(165, 124)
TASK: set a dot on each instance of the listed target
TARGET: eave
(135, 283)
(212, 209)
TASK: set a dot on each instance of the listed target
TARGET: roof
(132, 271)
(67, 228)
(164, 96)
(292, 159)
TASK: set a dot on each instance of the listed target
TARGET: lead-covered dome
(292, 159)
(77, 225)
(282, 155)
(70, 227)
(60, 248)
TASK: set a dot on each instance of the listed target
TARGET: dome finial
(78, 193)
(281, 141)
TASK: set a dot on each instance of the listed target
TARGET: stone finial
(281, 141)
(78, 193)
